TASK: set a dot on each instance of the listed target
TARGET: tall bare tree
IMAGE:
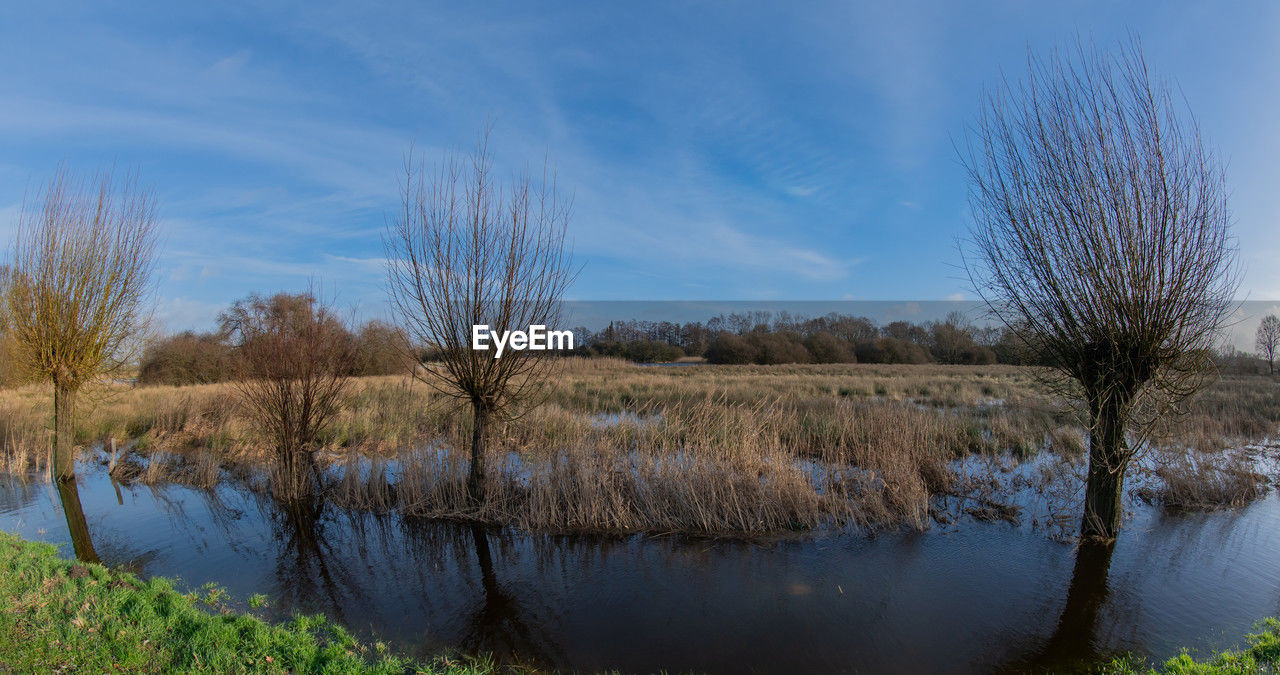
(465, 251)
(82, 266)
(293, 355)
(9, 374)
(1101, 235)
(1268, 341)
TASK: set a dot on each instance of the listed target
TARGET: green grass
(61, 615)
(1261, 656)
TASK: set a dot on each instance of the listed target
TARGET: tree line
(373, 348)
(767, 338)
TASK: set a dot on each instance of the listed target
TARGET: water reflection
(971, 598)
(307, 571)
(77, 527)
(499, 624)
(1073, 645)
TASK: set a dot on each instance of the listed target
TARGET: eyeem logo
(537, 338)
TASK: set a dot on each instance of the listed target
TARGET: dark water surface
(977, 597)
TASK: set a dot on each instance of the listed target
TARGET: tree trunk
(1108, 459)
(64, 448)
(298, 476)
(476, 477)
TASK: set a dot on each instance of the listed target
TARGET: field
(741, 450)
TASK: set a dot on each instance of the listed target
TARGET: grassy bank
(1261, 656)
(58, 615)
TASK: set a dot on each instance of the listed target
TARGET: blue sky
(714, 150)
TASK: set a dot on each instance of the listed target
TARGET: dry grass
(619, 447)
(1195, 480)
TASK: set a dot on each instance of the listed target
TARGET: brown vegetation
(766, 338)
(1206, 480)
(293, 359)
(377, 348)
(710, 449)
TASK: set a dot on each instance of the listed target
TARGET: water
(970, 597)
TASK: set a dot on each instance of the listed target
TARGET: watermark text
(537, 338)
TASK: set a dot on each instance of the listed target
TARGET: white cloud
(801, 191)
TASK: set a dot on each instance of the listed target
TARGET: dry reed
(702, 449)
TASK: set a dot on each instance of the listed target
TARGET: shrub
(728, 348)
(870, 351)
(187, 358)
(651, 351)
(380, 349)
(901, 351)
(827, 348)
(294, 356)
(779, 347)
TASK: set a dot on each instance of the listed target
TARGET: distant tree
(380, 348)
(897, 350)
(653, 351)
(852, 329)
(978, 355)
(81, 271)
(827, 348)
(778, 347)
(694, 338)
(1269, 341)
(730, 348)
(464, 251)
(294, 356)
(187, 358)
(1101, 234)
(950, 340)
(9, 373)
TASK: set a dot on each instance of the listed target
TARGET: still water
(972, 597)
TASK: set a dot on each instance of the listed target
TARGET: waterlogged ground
(967, 595)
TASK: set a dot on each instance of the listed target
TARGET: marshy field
(617, 447)
(696, 500)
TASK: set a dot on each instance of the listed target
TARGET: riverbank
(1261, 656)
(59, 615)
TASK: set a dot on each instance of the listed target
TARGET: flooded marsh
(878, 519)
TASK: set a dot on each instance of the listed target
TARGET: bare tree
(1268, 341)
(9, 374)
(1101, 235)
(464, 251)
(294, 356)
(82, 266)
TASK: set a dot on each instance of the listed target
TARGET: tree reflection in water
(500, 624)
(1073, 645)
(77, 527)
(308, 572)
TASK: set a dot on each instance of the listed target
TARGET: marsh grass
(1200, 480)
(695, 449)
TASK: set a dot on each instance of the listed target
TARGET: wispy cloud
(718, 153)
